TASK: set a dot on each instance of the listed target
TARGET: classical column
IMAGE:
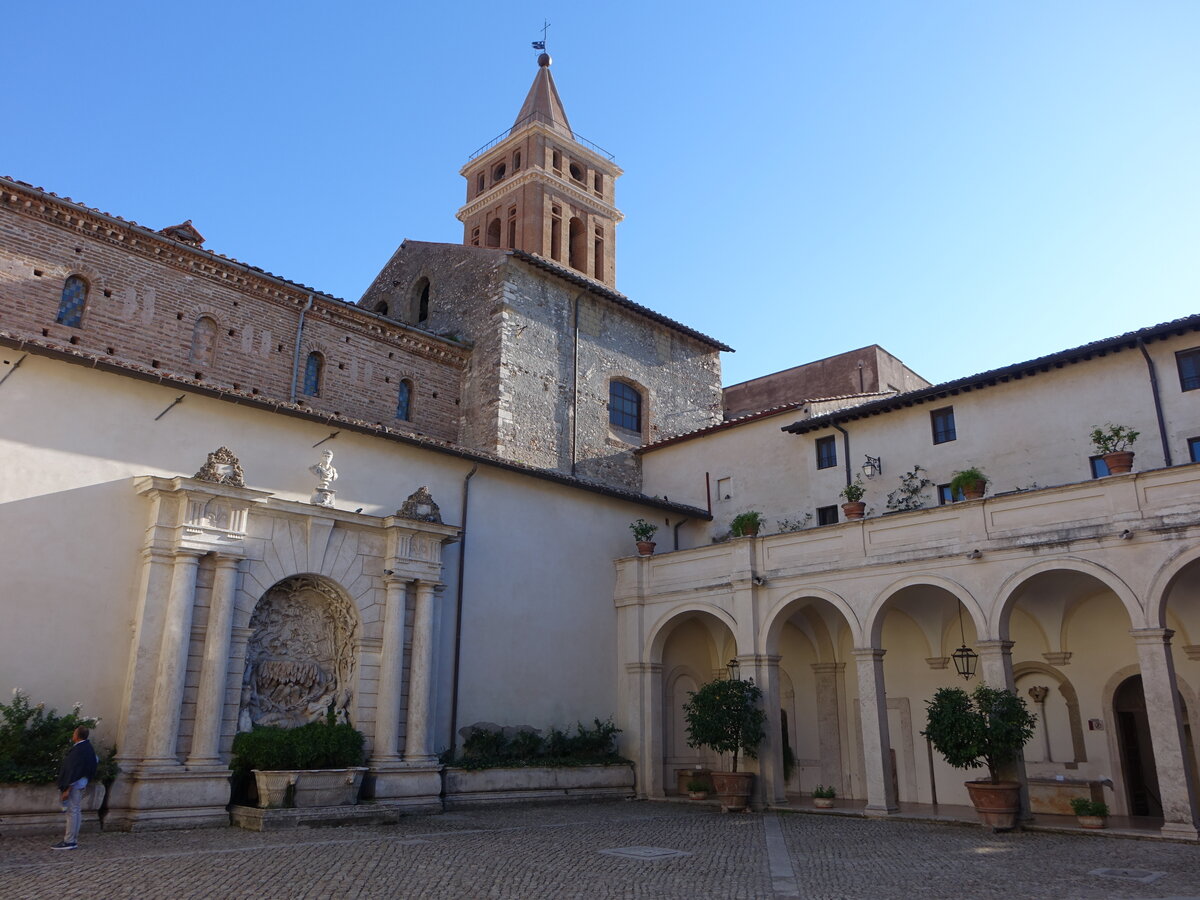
(210, 699)
(1166, 731)
(877, 755)
(391, 674)
(649, 691)
(829, 722)
(163, 734)
(417, 734)
(995, 668)
(770, 752)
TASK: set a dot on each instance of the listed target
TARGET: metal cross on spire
(541, 45)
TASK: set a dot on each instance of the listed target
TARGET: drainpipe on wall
(296, 352)
(1162, 426)
(458, 607)
(678, 524)
(845, 448)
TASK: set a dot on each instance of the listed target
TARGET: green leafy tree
(725, 715)
(987, 727)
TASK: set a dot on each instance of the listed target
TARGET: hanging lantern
(965, 660)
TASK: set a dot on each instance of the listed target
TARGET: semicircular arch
(772, 627)
(1160, 585)
(873, 625)
(1008, 593)
(659, 632)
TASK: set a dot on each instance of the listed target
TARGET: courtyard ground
(617, 849)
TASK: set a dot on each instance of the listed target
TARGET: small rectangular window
(1194, 449)
(724, 489)
(1099, 466)
(1188, 363)
(826, 452)
(945, 497)
(942, 421)
(827, 515)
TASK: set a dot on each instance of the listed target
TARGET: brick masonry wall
(146, 294)
(519, 394)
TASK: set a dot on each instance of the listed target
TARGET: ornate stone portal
(301, 657)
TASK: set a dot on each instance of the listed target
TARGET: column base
(397, 783)
(154, 796)
(1179, 831)
(880, 810)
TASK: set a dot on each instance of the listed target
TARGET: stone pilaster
(210, 698)
(872, 706)
(163, 734)
(1165, 717)
(829, 677)
(391, 675)
(418, 731)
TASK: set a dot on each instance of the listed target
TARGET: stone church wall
(147, 293)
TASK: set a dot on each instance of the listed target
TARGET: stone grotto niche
(301, 656)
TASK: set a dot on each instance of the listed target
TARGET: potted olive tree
(643, 535)
(725, 715)
(854, 508)
(985, 728)
(1113, 443)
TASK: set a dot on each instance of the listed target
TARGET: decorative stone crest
(420, 506)
(300, 657)
(326, 476)
(184, 232)
(222, 467)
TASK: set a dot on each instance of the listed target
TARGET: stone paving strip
(601, 850)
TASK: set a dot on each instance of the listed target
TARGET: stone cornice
(541, 176)
(151, 246)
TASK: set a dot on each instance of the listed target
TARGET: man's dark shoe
(63, 845)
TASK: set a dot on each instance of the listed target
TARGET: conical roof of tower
(542, 103)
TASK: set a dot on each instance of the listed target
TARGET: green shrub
(725, 715)
(1085, 806)
(987, 727)
(318, 745)
(489, 749)
(826, 791)
(34, 740)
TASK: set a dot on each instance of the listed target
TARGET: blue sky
(966, 184)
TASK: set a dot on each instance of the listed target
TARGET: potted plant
(318, 764)
(643, 533)
(988, 727)
(1090, 813)
(697, 789)
(854, 508)
(1113, 443)
(725, 716)
(971, 483)
(746, 524)
(823, 796)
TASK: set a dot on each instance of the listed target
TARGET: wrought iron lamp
(873, 466)
(733, 666)
(965, 659)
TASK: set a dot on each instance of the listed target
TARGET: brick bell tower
(543, 189)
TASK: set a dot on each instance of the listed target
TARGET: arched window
(516, 160)
(577, 238)
(598, 253)
(512, 228)
(314, 368)
(74, 299)
(404, 400)
(381, 307)
(419, 301)
(556, 234)
(624, 406)
(493, 233)
(204, 341)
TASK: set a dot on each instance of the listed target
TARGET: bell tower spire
(542, 189)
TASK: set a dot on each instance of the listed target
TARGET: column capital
(824, 668)
(864, 653)
(227, 560)
(995, 646)
(1152, 635)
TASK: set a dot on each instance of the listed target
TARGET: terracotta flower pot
(974, 491)
(733, 789)
(1119, 463)
(854, 510)
(823, 802)
(698, 795)
(646, 548)
(1092, 821)
(996, 804)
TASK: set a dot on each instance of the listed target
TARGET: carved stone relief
(301, 656)
(420, 506)
(222, 467)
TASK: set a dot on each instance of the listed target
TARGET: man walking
(77, 770)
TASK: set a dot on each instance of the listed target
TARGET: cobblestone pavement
(552, 851)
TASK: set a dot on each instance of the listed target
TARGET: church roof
(542, 103)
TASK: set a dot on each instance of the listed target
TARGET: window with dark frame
(314, 366)
(1099, 466)
(404, 400)
(942, 421)
(1194, 449)
(827, 515)
(945, 497)
(1188, 363)
(827, 452)
(624, 406)
(72, 303)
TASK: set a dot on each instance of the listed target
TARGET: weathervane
(541, 45)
